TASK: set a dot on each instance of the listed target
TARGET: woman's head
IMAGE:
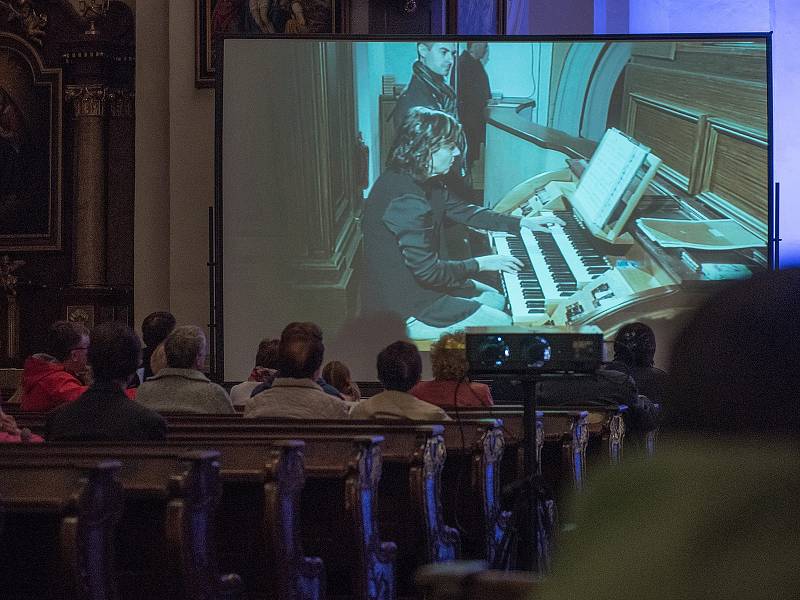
(338, 375)
(426, 144)
(449, 357)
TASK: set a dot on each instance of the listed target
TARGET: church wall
(175, 178)
(191, 179)
(151, 216)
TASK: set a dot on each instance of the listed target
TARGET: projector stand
(530, 555)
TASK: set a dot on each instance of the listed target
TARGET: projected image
(408, 189)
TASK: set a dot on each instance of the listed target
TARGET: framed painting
(215, 17)
(30, 149)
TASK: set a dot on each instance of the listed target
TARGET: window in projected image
(389, 189)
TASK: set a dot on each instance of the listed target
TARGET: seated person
(338, 375)
(634, 350)
(313, 329)
(180, 386)
(104, 411)
(155, 329)
(51, 378)
(450, 386)
(264, 372)
(294, 393)
(404, 217)
(399, 370)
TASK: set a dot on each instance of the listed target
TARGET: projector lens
(537, 352)
(494, 352)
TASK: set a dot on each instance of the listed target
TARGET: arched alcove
(573, 85)
(609, 68)
(586, 86)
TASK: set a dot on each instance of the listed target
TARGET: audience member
(155, 329)
(51, 378)
(450, 386)
(338, 375)
(310, 329)
(264, 372)
(714, 515)
(180, 386)
(104, 412)
(399, 369)
(294, 393)
(634, 352)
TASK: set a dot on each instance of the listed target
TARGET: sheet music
(611, 170)
(713, 234)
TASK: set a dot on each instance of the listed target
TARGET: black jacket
(417, 93)
(405, 274)
(104, 413)
(472, 86)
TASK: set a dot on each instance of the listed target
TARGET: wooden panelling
(737, 100)
(736, 168)
(676, 136)
(741, 60)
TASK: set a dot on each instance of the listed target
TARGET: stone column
(89, 168)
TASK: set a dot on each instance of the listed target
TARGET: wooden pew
(565, 431)
(338, 518)
(604, 424)
(474, 451)
(413, 457)
(471, 474)
(164, 537)
(472, 484)
(58, 540)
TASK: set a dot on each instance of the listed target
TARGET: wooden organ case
(313, 234)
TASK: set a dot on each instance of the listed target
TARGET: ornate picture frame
(31, 130)
(213, 17)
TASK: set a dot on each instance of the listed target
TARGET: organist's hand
(499, 262)
(540, 223)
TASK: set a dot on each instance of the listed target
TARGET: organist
(402, 225)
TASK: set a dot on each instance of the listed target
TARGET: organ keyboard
(556, 265)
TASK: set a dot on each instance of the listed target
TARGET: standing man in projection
(472, 85)
(428, 85)
(403, 220)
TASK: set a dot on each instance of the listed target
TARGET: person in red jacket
(50, 379)
(450, 387)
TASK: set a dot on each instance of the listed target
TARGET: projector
(515, 351)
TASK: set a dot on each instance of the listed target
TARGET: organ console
(579, 275)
